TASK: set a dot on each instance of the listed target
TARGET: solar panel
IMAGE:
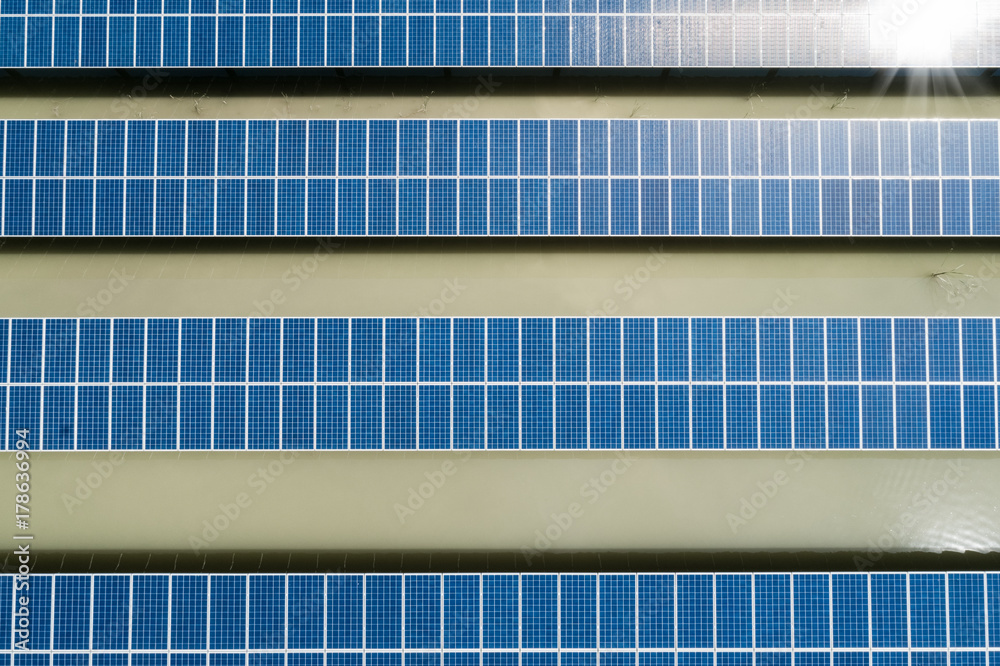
(501, 383)
(645, 619)
(501, 177)
(497, 33)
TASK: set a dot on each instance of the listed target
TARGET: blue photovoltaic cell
(733, 611)
(539, 625)
(849, 610)
(642, 619)
(889, 612)
(539, 382)
(462, 598)
(617, 611)
(500, 611)
(772, 610)
(694, 611)
(497, 177)
(812, 610)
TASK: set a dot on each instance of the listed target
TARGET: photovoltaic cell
(560, 33)
(501, 383)
(746, 619)
(500, 177)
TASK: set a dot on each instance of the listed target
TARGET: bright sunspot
(923, 33)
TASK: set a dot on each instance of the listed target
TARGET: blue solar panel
(738, 619)
(477, 33)
(501, 383)
(500, 177)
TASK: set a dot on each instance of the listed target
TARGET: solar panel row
(878, 619)
(496, 177)
(433, 383)
(477, 33)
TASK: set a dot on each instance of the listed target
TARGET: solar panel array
(849, 619)
(501, 383)
(496, 33)
(501, 177)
